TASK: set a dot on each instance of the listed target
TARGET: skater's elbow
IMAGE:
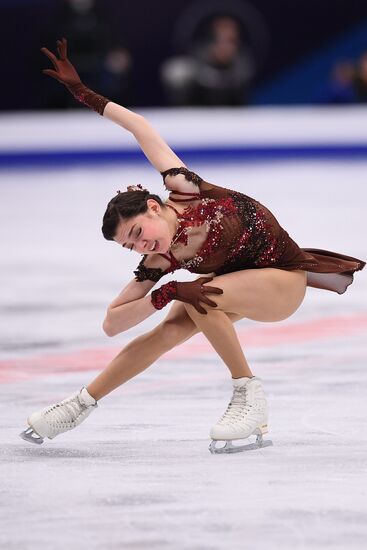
(113, 325)
(122, 317)
(109, 328)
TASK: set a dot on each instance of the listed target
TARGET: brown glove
(192, 293)
(66, 74)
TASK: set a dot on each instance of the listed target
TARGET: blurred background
(188, 52)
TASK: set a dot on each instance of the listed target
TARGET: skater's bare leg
(219, 330)
(144, 350)
(263, 295)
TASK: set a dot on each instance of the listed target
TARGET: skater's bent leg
(262, 295)
(219, 330)
(144, 350)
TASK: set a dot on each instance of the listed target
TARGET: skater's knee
(168, 330)
(193, 313)
(171, 331)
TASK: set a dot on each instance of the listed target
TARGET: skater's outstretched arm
(159, 154)
(152, 144)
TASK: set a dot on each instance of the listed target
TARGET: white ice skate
(246, 415)
(59, 417)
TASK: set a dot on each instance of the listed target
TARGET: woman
(260, 274)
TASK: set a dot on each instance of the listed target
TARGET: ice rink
(138, 474)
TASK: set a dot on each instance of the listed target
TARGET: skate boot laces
(66, 413)
(238, 406)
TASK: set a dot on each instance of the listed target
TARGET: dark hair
(123, 207)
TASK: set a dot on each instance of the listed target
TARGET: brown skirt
(326, 270)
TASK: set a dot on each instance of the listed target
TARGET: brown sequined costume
(243, 234)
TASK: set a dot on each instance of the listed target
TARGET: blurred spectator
(219, 71)
(340, 87)
(115, 77)
(360, 81)
(102, 65)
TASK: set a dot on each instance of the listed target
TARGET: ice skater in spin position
(260, 273)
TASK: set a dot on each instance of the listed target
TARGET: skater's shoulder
(182, 180)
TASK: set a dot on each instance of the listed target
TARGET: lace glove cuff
(88, 97)
(192, 292)
(164, 294)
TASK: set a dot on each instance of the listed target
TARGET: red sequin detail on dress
(239, 230)
(210, 212)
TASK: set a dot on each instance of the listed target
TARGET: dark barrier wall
(281, 33)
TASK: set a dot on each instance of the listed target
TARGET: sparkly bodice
(226, 237)
(240, 231)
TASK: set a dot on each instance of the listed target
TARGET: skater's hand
(194, 292)
(64, 71)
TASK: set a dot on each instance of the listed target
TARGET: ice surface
(138, 474)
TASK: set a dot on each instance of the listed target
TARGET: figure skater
(260, 274)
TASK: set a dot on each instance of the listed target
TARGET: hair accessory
(137, 187)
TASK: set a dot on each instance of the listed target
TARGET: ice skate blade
(230, 448)
(31, 436)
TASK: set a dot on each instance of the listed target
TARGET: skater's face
(156, 227)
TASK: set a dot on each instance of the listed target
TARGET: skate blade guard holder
(31, 436)
(260, 443)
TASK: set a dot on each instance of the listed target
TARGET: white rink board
(184, 127)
